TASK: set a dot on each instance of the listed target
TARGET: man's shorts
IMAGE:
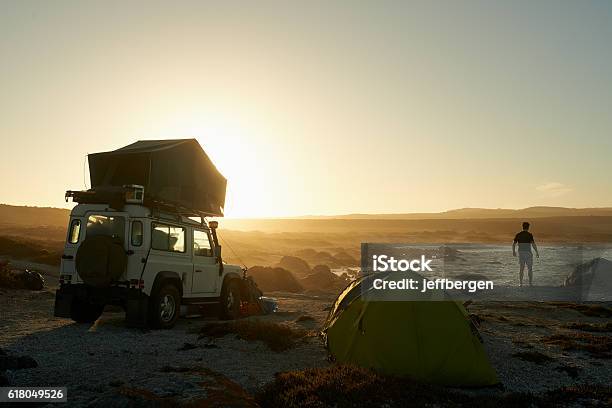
(525, 258)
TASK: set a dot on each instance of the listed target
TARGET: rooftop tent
(429, 341)
(173, 172)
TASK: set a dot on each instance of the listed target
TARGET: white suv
(147, 261)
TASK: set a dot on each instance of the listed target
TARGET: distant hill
(480, 213)
(59, 217)
(265, 241)
(33, 216)
(579, 223)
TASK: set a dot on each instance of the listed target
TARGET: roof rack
(117, 197)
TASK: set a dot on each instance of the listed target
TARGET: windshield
(106, 225)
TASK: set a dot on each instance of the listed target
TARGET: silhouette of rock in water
(275, 279)
(595, 274)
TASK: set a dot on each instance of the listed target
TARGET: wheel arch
(164, 277)
(230, 276)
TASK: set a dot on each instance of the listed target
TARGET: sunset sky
(318, 107)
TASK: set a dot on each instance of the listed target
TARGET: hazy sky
(318, 107)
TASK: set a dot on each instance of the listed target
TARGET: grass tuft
(597, 346)
(533, 357)
(591, 310)
(278, 337)
(590, 327)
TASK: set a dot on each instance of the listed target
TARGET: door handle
(198, 270)
(64, 256)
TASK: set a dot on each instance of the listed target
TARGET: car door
(205, 266)
(137, 252)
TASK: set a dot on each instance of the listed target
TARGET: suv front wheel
(164, 307)
(230, 300)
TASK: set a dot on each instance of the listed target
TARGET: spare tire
(100, 260)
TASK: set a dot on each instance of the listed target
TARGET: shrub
(349, 386)
(533, 357)
(591, 310)
(597, 346)
(278, 337)
(607, 327)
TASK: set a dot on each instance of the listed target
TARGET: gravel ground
(108, 364)
(511, 328)
(107, 361)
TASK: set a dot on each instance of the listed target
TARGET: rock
(307, 253)
(340, 259)
(595, 275)
(275, 279)
(187, 346)
(26, 362)
(345, 259)
(211, 346)
(322, 278)
(21, 279)
(295, 265)
(16, 362)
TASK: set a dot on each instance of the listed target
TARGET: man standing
(525, 241)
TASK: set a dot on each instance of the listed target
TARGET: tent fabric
(176, 172)
(429, 341)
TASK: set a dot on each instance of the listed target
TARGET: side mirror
(217, 252)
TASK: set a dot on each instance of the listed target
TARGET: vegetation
(597, 346)
(591, 310)
(348, 386)
(533, 357)
(278, 337)
(590, 327)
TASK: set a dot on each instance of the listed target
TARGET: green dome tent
(432, 341)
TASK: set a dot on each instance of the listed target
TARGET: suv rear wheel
(82, 311)
(164, 307)
(230, 300)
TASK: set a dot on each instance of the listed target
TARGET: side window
(75, 231)
(137, 233)
(168, 238)
(201, 243)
